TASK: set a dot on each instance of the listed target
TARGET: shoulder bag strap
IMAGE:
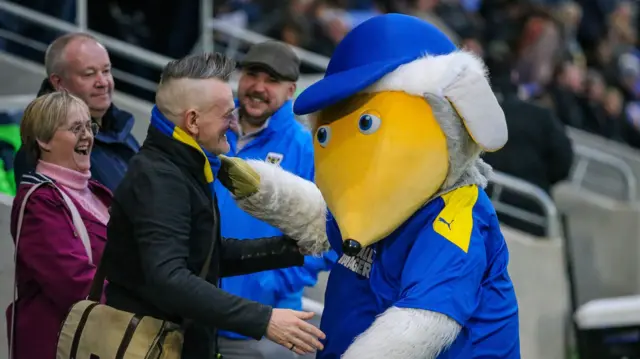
(23, 205)
(79, 227)
(78, 223)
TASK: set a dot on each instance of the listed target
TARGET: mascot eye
(323, 135)
(368, 124)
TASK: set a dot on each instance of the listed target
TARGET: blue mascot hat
(371, 50)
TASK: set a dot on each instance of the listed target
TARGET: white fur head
(457, 88)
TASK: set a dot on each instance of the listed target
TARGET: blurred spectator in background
(538, 50)
(565, 94)
(614, 113)
(79, 64)
(330, 25)
(570, 16)
(596, 119)
(426, 10)
(536, 135)
(56, 260)
(268, 130)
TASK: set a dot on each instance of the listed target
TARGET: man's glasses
(90, 127)
(232, 115)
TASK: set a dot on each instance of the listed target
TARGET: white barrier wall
(537, 269)
(605, 244)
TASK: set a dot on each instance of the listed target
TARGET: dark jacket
(163, 222)
(538, 151)
(113, 147)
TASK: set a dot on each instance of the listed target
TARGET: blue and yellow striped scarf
(212, 162)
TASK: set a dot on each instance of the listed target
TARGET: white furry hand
(402, 333)
(291, 204)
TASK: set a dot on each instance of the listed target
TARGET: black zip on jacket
(163, 221)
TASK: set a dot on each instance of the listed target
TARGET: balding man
(78, 63)
(165, 223)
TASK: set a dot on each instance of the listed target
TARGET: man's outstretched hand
(290, 329)
(238, 177)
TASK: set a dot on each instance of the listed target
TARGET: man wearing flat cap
(267, 130)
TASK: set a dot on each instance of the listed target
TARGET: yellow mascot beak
(373, 149)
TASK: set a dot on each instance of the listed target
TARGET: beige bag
(96, 331)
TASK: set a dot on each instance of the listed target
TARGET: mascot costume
(402, 117)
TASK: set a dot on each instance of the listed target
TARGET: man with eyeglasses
(79, 64)
(267, 129)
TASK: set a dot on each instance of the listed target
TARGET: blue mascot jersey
(449, 257)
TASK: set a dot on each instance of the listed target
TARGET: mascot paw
(290, 203)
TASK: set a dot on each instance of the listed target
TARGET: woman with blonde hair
(58, 222)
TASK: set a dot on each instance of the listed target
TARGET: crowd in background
(578, 57)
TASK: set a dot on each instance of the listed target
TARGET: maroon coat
(53, 269)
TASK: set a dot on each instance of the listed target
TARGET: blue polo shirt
(449, 257)
(289, 144)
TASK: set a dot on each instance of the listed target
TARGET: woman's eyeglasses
(90, 127)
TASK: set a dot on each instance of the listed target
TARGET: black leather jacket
(163, 222)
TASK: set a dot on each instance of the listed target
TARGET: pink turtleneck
(76, 185)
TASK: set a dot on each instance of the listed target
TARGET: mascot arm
(405, 333)
(440, 289)
(296, 278)
(280, 198)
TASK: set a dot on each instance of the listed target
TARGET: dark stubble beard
(254, 121)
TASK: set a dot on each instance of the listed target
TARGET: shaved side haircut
(179, 85)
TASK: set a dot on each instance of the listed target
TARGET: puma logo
(440, 219)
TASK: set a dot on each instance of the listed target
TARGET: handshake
(296, 207)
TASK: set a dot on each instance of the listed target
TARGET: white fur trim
(401, 333)
(460, 77)
(290, 203)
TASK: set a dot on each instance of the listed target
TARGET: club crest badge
(274, 158)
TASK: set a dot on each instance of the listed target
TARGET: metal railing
(586, 155)
(249, 37)
(14, 102)
(149, 58)
(551, 218)
(82, 14)
(117, 46)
